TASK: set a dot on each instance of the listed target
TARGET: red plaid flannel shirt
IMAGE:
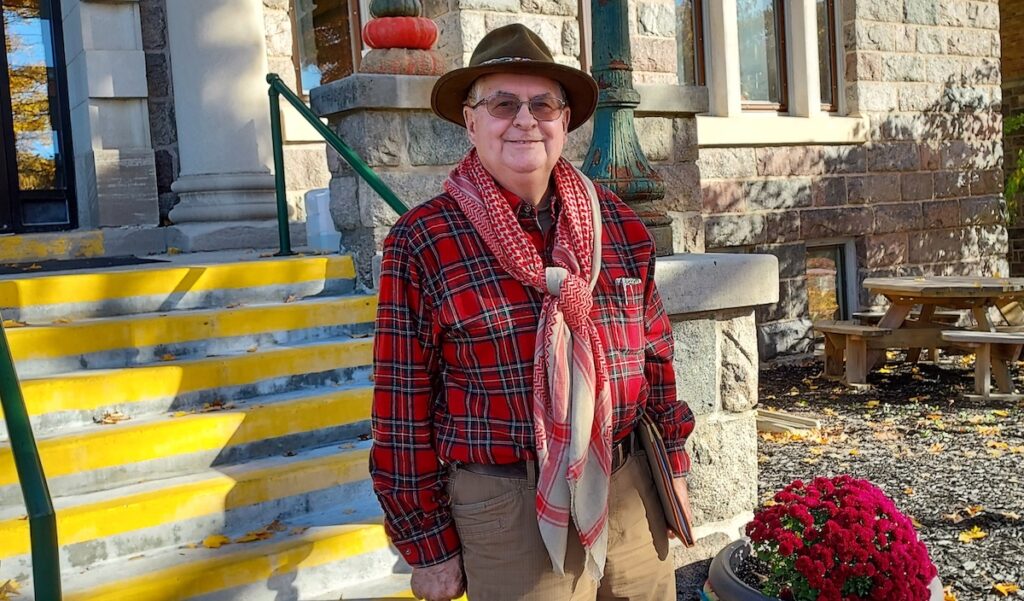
(453, 359)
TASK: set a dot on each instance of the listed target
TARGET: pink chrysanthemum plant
(838, 539)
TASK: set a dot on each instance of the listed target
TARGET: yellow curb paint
(41, 247)
(99, 388)
(128, 443)
(98, 335)
(152, 281)
(315, 548)
(222, 492)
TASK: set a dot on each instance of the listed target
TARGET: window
(827, 68)
(690, 42)
(762, 45)
(828, 279)
(327, 40)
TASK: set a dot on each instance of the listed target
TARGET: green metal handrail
(42, 520)
(277, 89)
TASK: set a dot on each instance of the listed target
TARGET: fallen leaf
(934, 416)
(34, 266)
(884, 370)
(948, 594)
(254, 536)
(973, 510)
(908, 491)
(179, 414)
(216, 541)
(173, 250)
(1010, 515)
(191, 546)
(359, 335)
(111, 417)
(973, 534)
(291, 298)
(872, 404)
(936, 448)
(1006, 588)
(989, 430)
(12, 323)
(995, 453)
(9, 590)
(1000, 413)
(997, 444)
(916, 523)
(252, 349)
(232, 305)
(266, 255)
(62, 320)
(290, 453)
(830, 412)
(167, 357)
(854, 451)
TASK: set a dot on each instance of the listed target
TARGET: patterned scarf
(572, 409)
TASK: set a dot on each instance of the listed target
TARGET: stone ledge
(694, 283)
(364, 91)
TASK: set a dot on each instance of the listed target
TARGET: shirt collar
(516, 204)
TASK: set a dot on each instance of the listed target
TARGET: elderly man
(519, 339)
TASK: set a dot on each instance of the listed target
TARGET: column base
(224, 197)
(227, 235)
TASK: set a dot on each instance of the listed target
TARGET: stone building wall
(161, 101)
(922, 196)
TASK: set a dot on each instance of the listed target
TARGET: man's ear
(565, 119)
(468, 117)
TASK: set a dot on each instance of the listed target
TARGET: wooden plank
(856, 361)
(914, 353)
(778, 421)
(983, 337)
(908, 338)
(983, 370)
(850, 328)
(834, 354)
(933, 286)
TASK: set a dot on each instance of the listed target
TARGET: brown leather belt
(620, 452)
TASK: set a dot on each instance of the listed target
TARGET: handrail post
(41, 517)
(279, 177)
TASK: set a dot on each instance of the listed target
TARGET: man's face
(520, 145)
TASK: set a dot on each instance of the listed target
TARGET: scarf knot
(571, 399)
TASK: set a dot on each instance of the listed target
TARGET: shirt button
(527, 209)
(408, 551)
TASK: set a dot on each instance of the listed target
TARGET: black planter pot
(723, 582)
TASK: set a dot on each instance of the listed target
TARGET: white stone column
(724, 78)
(219, 62)
(115, 171)
(806, 79)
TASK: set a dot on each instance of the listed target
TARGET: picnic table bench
(849, 340)
(993, 353)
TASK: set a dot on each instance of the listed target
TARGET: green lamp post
(615, 158)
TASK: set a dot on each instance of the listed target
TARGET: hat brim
(450, 89)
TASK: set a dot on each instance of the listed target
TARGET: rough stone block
(434, 141)
(845, 159)
(876, 96)
(982, 210)
(986, 182)
(878, 10)
(832, 222)
(579, 142)
(279, 32)
(656, 20)
(792, 258)
(655, 54)
(722, 196)
(900, 156)
(920, 97)
(344, 204)
(906, 39)
(685, 139)
(932, 41)
(904, 67)
(790, 160)
(792, 302)
(723, 231)
(864, 66)
(931, 157)
(898, 217)
(936, 246)
(571, 38)
(968, 43)
(655, 135)
(943, 69)
(784, 337)
(866, 189)
(866, 35)
(687, 231)
(565, 8)
(126, 192)
(956, 155)
(727, 163)
(162, 124)
(828, 192)
(739, 363)
(158, 75)
(499, 5)
(885, 250)
(548, 28)
(137, 241)
(305, 166)
(723, 478)
(941, 213)
(783, 226)
(410, 186)
(682, 187)
(153, 17)
(916, 186)
(377, 136)
(951, 184)
(922, 12)
(789, 193)
(696, 364)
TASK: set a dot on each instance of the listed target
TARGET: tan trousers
(505, 558)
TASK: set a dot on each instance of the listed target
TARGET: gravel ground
(949, 463)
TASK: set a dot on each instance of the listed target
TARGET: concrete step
(286, 567)
(74, 399)
(112, 342)
(114, 525)
(186, 282)
(98, 457)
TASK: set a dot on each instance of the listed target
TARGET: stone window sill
(775, 130)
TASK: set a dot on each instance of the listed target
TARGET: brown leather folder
(661, 472)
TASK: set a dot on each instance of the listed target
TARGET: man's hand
(679, 484)
(441, 582)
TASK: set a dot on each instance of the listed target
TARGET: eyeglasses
(506, 106)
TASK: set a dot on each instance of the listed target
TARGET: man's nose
(524, 118)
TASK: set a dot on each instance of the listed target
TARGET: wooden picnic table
(920, 330)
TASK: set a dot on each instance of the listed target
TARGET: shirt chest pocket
(626, 315)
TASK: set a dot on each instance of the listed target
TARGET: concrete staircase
(203, 426)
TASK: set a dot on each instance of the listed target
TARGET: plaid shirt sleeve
(407, 477)
(673, 415)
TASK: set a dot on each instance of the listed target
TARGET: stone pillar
(219, 65)
(114, 162)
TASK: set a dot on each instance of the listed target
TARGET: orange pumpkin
(400, 32)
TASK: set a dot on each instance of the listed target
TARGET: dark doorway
(36, 168)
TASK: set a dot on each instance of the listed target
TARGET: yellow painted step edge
(92, 287)
(72, 339)
(100, 388)
(215, 494)
(40, 247)
(316, 547)
(128, 443)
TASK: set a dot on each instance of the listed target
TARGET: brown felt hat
(513, 49)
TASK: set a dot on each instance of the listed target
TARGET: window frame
(846, 274)
(782, 57)
(833, 43)
(699, 47)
